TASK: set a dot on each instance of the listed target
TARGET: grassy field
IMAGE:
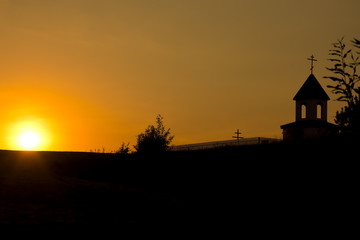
(283, 187)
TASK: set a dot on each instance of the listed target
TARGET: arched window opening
(318, 111)
(303, 111)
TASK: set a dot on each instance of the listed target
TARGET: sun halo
(28, 135)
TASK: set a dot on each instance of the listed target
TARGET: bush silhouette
(155, 139)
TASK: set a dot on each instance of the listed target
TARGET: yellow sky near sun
(95, 74)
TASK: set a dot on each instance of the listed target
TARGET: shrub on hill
(155, 139)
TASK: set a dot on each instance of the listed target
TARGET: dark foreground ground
(302, 189)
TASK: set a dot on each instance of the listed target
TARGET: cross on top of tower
(312, 59)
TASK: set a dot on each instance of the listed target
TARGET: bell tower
(311, 101)
(310, 112)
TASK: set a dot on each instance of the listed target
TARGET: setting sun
(30, 134)
(29, 140)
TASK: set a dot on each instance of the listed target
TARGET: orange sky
(93, 74)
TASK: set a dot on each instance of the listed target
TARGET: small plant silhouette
(124, 149)
(155, 139)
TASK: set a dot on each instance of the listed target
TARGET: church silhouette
(310, 114)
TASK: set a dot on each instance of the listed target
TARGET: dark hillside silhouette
(289, 187)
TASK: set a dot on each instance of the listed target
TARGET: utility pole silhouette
(237, 136)
(312, 59)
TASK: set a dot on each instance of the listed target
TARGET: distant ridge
(224, 143)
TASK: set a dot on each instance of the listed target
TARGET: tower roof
(311, 89)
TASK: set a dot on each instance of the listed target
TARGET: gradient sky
(93, 74)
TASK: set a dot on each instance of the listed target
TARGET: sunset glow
(29, 140)
(84, 75)
(28, 135)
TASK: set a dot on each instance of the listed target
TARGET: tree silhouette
(345, 84)
(155, 139)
